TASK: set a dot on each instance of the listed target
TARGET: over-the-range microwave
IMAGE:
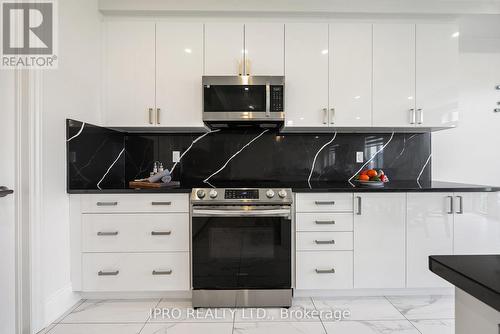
(243, 98)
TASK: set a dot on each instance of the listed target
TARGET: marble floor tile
(181, 310)
(371, 327)
(425, 307)
(283, 327)
(360, 308)
(302, 310)
(112, 311)
(97, 329)
(438, 326)
(188, 328)
(47, 329)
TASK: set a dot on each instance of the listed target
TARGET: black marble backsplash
(255, 155)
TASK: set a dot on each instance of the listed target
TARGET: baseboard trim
(373, 292)
(136, 294)
(57, 304)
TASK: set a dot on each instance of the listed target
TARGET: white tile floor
(368, 315)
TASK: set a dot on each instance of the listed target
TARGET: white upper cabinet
(437, 80)
(429, 231)
(477, 223)
(129, 73)
(393, 75)
(224, 49)
(179, 68)
(264, 48)
(350, 74)
(379, 240)
(306, 74)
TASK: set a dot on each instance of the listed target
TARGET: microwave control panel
(277, 98)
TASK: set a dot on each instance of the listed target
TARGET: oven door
(238, 249)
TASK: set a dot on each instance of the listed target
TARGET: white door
(350, 74)
(265, 48)
(129, 73)
(306, 73)
(179, 68)
(437, 75)
(224, 49)
(477, 223)
(429, 231)
(379, 240)
(7, 204)
(393, 74)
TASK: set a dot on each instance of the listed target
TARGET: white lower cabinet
(429, 231)
(312, 241)
(379, 240)
(324, 270)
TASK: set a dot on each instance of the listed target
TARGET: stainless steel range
(241, 247)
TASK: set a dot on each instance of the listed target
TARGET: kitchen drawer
(324, 202)
(324, 270)
(135, 203)
(135, 232)
(324, 221)
(134, 271)
(324, 241)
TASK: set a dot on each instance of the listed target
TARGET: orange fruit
(364, 177)
(363, 172)
(371, 173)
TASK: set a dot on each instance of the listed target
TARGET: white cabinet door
(306, 72)
(265, 48)
(477, 223)
(129, 73)
(393, 74)
(224, 49)
(350, 74)
(179, 68)
(429, 232)
(379, 240)
(437, 80)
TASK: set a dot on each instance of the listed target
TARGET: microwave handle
(268, 100)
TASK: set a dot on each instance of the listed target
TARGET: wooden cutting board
(149, 185)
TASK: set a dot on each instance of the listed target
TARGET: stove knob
(282, 193)
(270, 193)
(200, 193)
(213, 193)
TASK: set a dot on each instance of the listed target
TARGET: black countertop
(478, 275)
(302, 187)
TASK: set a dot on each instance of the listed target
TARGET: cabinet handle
(161, 232)
(158, 110)
(332, 115)
(107, 233)
(325, 271)
(360, 203)
(150, 114)
(460, 205)
(451, 205)
(421, 116)
(108, 273)
(412, 116)
(324, 242)
(325, 115)
(325, 222)
(162, 272)
(107, 203)
(324, 202)
(161, 203)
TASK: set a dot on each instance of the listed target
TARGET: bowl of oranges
(371, 178)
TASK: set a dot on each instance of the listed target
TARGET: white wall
(470, 153)
(71, 91)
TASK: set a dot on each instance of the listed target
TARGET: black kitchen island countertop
(477, 275)
(303, 186)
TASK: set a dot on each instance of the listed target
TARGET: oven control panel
(241, 194)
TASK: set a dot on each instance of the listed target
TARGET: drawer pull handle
(325, 271)
(108, 273)
(162, 272)
(161, 232)
(161, 203)
(324, 242)
(107, 233)
(107, 203)
(325, 222)
(324, 202)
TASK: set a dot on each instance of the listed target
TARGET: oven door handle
(241, 213)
